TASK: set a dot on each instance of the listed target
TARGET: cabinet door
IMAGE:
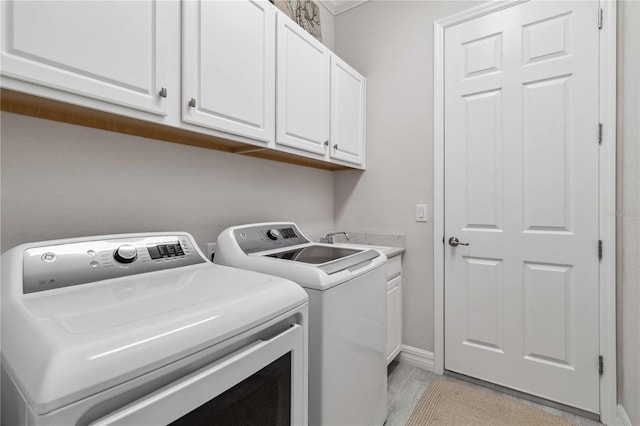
(229, 66)
(113, 51)
(394, 318)
(348, 97)
(303, 89)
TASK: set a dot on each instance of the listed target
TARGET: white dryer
(347, 315)
(142, 329)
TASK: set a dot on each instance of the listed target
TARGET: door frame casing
(607, 191)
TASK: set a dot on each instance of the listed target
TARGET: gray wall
(391, 42)
(628, 271)
(61, 180)
(326, 26)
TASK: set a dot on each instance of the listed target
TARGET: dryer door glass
(261, 399)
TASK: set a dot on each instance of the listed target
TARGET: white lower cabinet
(394, 307)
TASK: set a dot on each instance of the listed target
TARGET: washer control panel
(252, 239)
(63, 265)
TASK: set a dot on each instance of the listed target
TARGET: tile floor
(406, 384)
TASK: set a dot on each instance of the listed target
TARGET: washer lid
(66, 344)
(314, 254)
(329, 259)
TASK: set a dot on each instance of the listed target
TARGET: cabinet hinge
(600, 365)
(600, 133)
(600, 19)
(599, 249)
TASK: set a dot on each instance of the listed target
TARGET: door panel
(546, 109)
(229, 66)
(110, 51)
(483, 55)
(547, 313)
(302, 87)
(546, 39)
(394, 303)
(483, 281)
(347, 112)
(521, 164)
(484, 168)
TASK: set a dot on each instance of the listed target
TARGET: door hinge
(442, 240)
(600, 19)
(599, 249)
(600, 365)
(600, 133)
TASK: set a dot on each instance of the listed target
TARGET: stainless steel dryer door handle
(453, 242)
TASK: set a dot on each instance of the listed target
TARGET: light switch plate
(421, 212)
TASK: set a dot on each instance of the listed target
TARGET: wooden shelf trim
(34, 106)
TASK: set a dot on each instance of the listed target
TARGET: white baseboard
(416, 357)
(621, 417)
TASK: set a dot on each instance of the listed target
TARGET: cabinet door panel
(229, 66)
(303, 89)
(348, 108)
(394, 318)
(110, 51)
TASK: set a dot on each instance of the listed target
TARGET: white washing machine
(347, 315)
(141, 330)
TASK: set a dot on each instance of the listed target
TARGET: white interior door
(521, 188)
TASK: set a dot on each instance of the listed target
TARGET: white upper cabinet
(240, 71)
(348, 112)
(302, 89)
(112, 51)
(229, 66)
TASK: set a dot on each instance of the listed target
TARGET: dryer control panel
(62, 265)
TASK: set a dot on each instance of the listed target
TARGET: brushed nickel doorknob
(453, 241)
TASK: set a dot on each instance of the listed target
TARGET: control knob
(273, 234)
(126, 253)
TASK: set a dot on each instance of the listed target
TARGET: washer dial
(273, 234)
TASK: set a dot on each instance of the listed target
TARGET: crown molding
(336, 7)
